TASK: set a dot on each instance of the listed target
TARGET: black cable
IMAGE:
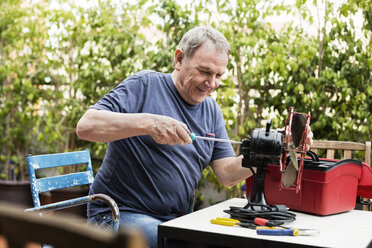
(277, 214)
(246, 216)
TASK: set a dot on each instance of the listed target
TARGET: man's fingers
(167, 130)
(183, 134)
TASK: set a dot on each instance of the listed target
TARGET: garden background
(57, 58)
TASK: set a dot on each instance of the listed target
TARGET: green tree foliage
(175, 21)
(56, 60)
(22, 72)
(97, 49)
(328, 76)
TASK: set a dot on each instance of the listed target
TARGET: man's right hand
(166, 130)
(106, 126)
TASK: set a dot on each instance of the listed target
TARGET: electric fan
(267, 146)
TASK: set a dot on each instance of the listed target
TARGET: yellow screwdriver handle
(224, 221)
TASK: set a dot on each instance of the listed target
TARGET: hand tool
(265, 222)
(282, 231)
(193, 137)
(252, 224)
(232, 222)
(266, 230)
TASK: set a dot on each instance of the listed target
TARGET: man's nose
(213, 81)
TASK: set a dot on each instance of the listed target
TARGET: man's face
(199, 75)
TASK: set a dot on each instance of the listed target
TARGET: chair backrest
(40, 185)
(346, 147)
(18, 228)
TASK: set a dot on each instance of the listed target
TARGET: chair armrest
(80, 201)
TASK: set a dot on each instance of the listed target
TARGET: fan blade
(298, 128)
(290, 175)
(293, 156)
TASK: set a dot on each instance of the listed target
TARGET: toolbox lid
(328, 164)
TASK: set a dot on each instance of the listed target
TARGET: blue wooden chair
(45, 184)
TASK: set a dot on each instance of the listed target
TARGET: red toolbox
(327, 186)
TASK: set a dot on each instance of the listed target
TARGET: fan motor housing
(265, 146)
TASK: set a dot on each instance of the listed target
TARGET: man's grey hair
(195, 37)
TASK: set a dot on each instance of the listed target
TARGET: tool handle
(265, 222)
(224, 222)
(192, 136)
(277, 232)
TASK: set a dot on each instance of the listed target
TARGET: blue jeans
(148, 225)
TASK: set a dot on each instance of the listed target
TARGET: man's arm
(105, 126)
(229, 171)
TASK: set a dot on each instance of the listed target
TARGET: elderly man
(152, 167)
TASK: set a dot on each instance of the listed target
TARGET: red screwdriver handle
(265, 222)
(260, 221)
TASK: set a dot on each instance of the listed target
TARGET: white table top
(350, 229)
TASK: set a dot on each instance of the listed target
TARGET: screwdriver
(265, 222)
(251, 224)
(232, 222)
(193, 137)
(277, 231)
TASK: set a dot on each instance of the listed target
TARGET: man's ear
(178, 58)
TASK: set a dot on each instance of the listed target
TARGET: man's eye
(204, 72)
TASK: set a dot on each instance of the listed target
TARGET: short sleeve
(127, 97)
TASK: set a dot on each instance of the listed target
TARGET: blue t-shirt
(143, 176)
